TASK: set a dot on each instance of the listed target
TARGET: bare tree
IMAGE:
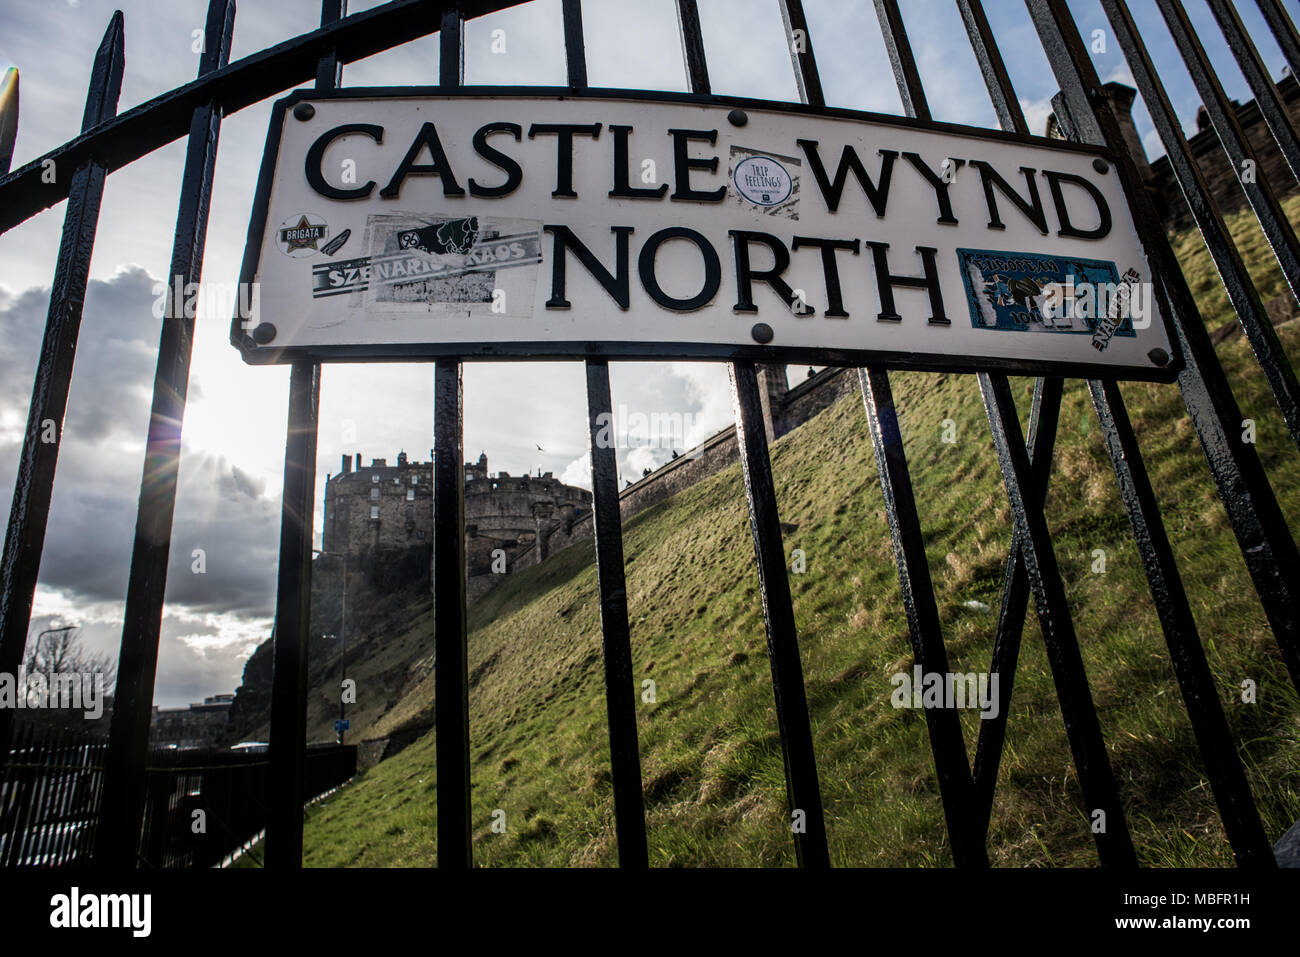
(61, 651)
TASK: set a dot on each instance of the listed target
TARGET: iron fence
(200, 803)
(195, 111)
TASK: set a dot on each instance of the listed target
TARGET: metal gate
(195, 111)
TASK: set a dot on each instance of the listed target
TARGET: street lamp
(51, 631)
(343, 635)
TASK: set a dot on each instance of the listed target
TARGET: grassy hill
(711, 758)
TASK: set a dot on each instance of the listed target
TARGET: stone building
(1220, 176)
(196, 726)
(511, 521)
(378, 506)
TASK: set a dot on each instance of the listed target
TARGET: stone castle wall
(1220, 176)
(510, 520)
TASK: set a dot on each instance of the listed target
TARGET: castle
(511, 521)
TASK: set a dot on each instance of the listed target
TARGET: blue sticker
(1036, 292)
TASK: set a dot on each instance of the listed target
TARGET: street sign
(392, 225)
(342, 724)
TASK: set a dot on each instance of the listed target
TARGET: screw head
(738, 117)
(264, 333)
(1100, 166)
(1159, 357)
(304, 111)
(762, 333)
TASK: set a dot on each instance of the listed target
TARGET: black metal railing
(200, 805)
(109, 142)
(49, 796)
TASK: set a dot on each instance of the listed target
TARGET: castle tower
(542, 512)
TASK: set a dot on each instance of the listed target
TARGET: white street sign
(408, 225)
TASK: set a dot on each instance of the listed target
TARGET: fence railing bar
(451, 47)
(290, 634)
(83, 809)
(41, 794)
(1277, 228)
(29, 740)
(974, 814)
(1284, 31)
(1257, 520)
(87, 802)
(26, 792)
(911, 91)
(55, 759)
(34, 481)
(575, 47)
(1044, 416)
(147, 584)
(1267, 97)
(157, 122)
(799, 42)
(956, 783)
(947, 744)
(693, 58)
(290, 637)
(620, 693)
(451, 656)
(1227, 777)
(12, 795)
(607, 524)
(1088, 746)
(992, 66)
(451, 664)
(67, 784)
(803, 791)
(96, 756)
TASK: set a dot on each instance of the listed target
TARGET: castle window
(374, 495)
(374, 512)
(375, 478)
(410, 495)
(415, 480)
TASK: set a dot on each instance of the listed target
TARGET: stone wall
(382, 506)
(1217, 168)
(819, 392)
(1220, 176)
(378, 505)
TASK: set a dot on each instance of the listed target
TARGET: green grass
(710, 752)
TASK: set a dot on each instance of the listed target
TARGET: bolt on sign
(403, 224)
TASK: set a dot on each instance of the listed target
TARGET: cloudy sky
(234, 429)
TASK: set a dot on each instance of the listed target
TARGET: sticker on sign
(399, 224)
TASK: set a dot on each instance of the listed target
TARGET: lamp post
(51, 631)
(343, 635)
